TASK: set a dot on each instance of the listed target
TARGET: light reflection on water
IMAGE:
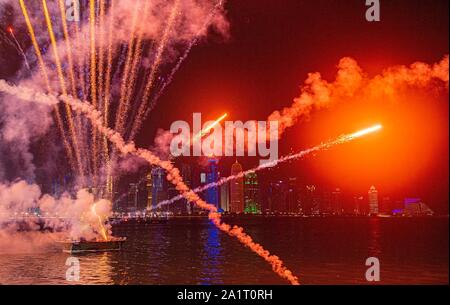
(319, 250)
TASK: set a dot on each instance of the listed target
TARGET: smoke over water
(31, 221)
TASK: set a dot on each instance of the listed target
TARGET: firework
(208, 128)
(62, 82)
(154, 69)
(43, 70)
(19, 47)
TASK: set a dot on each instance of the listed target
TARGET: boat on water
(82, 245)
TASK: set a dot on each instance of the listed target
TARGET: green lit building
(252, 201)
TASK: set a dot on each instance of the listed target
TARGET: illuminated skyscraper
(225, 197)
(373, 200)
(251, 194)
(159, 192)
(310, 203)
(212, 176)
(336, 202)
(186, 173)
(292, 197)
(236, 190)
(149, 186)
(133, 192)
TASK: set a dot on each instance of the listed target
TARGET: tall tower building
(373, 200)
(292, 197)
(149, 186)
(159, 191)
(186, 174)
(336, 202)
(236, 190)
(133, 193)
(310, 204)
(225, 197)
(212, 176)
(251, 194)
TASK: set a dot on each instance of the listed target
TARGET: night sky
(272, 47)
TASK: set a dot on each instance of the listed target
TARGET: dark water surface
(192, 251)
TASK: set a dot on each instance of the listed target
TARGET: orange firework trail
(93, 79)
(323, 146)
(108, 88)
(151, 78)
(42, 67)
(62, 9)
(134, 66)
(69, 48)
(173, 174)
(180, 61)
(101, 59)
(120, 117)
(203, 132)
(63, 86)
(103, 231)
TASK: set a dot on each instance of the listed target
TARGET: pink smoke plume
(352, 83)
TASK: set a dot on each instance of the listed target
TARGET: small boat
(78, 246)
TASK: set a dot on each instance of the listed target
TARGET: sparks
(364, 132)
(209, 127)
(102, 227)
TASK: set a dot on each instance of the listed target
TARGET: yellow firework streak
(63, 86)
(134, 66)
(101, 21)
(151, 78)
(93, 77)
(124, 84)
(107, 98)
(62, 8)
(101, 84)
(69, 48)
(59, 121)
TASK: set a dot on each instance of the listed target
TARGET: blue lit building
(212, 194)
(159, 189)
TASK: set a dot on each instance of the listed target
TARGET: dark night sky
(272, 47)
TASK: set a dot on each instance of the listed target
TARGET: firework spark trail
(134, 66)
(80, 46)
(173, 174)
(120, 117)
(62, 9)
(19, 48)
(204, 131)
(352, 83)
(62, 82)
(323, 146)
(107, 97)
(107, 84)
(81, 136)
(8, 40)
(101, 67)
(101, 55)
(103, 230)
(93, 81)
(180, 61)
(43, 69)
(154, 69)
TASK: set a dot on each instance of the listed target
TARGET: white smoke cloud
(23, 204)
